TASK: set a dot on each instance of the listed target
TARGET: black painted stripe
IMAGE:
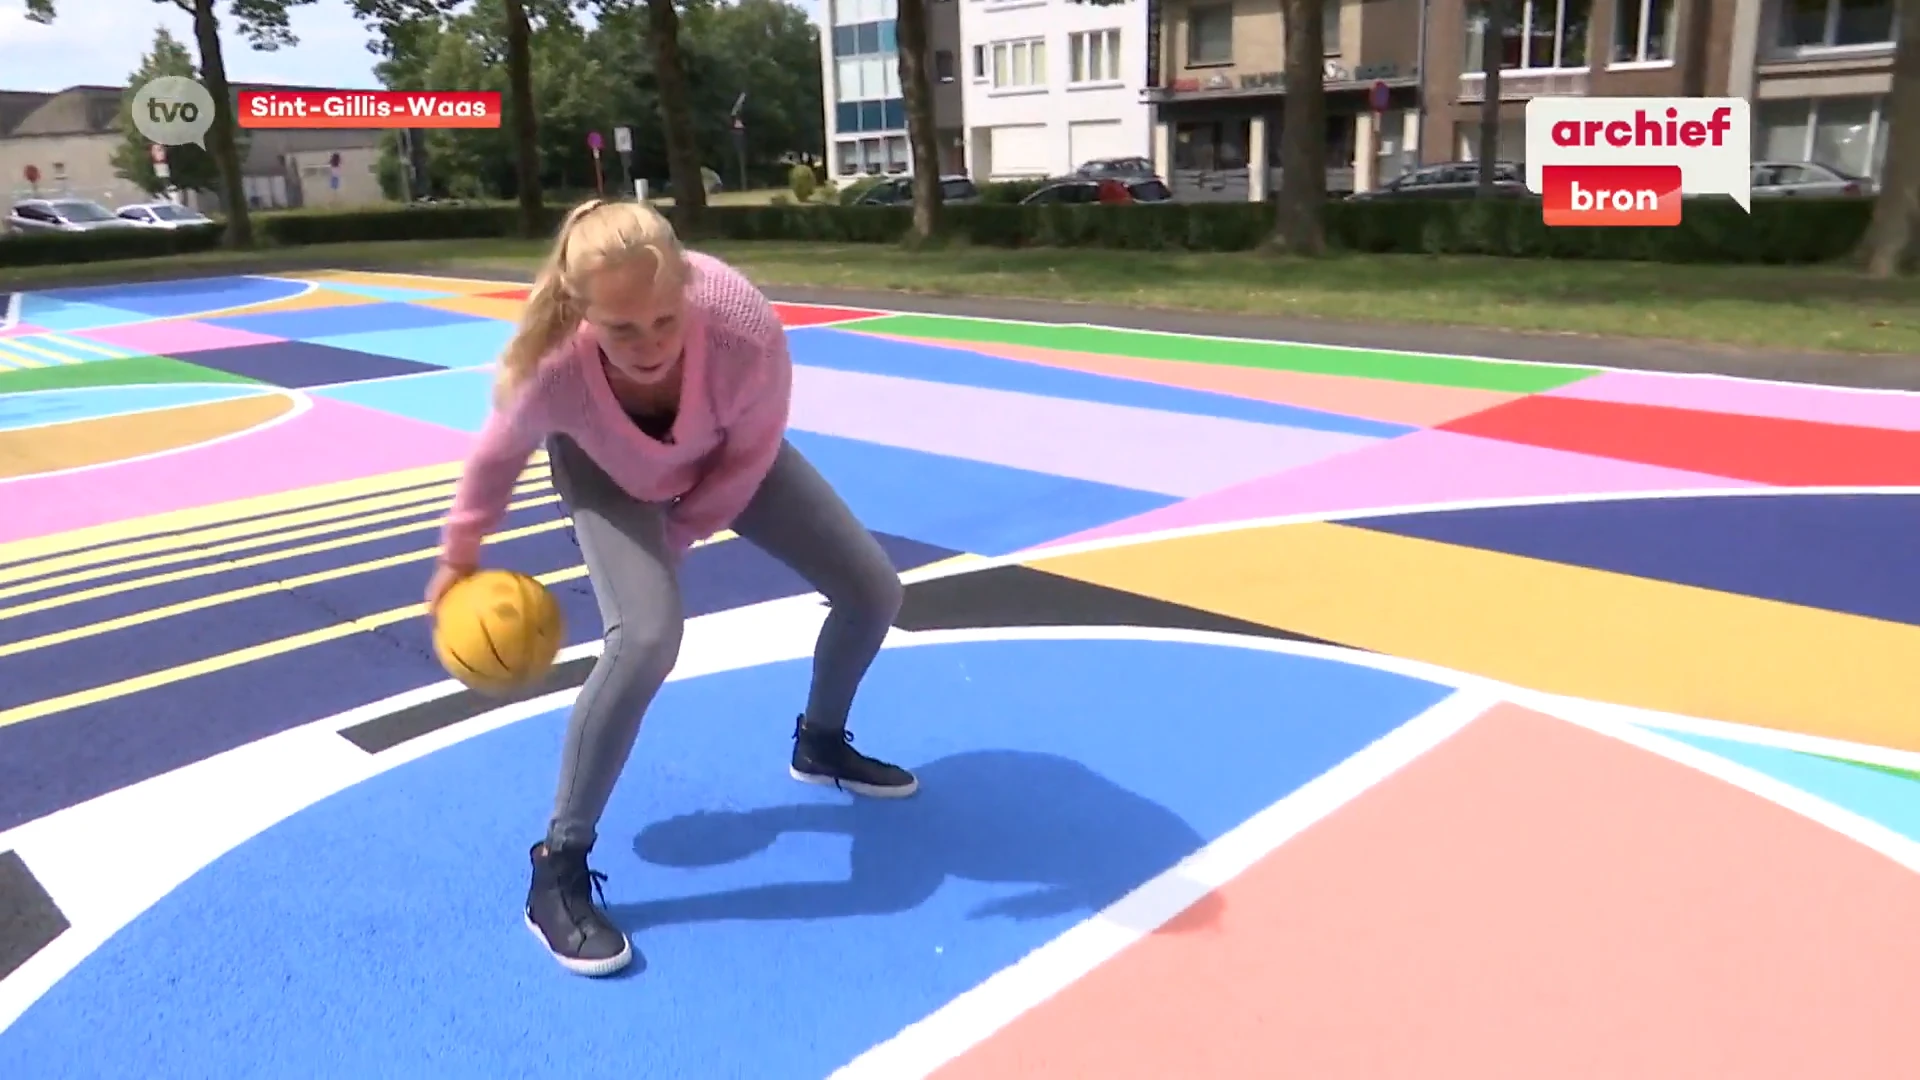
(386, 732)
(1010, 596)
(29, 919)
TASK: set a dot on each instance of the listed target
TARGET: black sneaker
(828, 757)
(562, 914)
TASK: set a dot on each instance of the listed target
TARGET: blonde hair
(595, 235)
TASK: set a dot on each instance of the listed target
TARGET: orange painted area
(115, 438)
(485, 307)
(1373, 399)
(311, 300)
(1528, 900)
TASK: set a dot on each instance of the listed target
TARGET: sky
(100, 42)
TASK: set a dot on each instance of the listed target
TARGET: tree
(1893, 238)
(189, 168)
(1493, 29)
(264, 24)
(916, 86)
(676, 113)
(1303, 147)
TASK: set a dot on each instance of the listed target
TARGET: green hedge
(1711, 231)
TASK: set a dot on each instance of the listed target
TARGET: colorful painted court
(1282, 711)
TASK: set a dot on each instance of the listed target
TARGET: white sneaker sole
(872, 791)
(593, 969)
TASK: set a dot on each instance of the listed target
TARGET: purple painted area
(331, 442)
(1143, 449)
(1889, 409)
(1417, 469)
(174, 338)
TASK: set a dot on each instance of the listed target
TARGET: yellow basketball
(498, 631)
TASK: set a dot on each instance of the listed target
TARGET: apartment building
(866, 115)
(1218, 84)
(1818, 75)
(1052, 84)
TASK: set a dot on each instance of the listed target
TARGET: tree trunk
(916, 85)
(220, 138)
(1298, 229)
(526, 123)
(676, 115)
(1492, 44)
(1894, 236)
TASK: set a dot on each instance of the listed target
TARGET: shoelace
(572, 893)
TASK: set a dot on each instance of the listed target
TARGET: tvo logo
(173, 110)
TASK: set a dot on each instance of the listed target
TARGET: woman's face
(638, 319)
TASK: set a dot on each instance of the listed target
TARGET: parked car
(1118, 167)
(1779, 179)
(1453, 180)
(162, 215)
(62, 215)
(898, 191)
(1083, 189)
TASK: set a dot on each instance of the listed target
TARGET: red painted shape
(811, 315)
(1769, 450)
(1527, 900)
(509, 294)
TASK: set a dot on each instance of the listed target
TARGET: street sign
(738, 124)
(1379, 96)
(739, 103)
(32, 173)
(594, 142)
(158, 153)
(160, 170)
(333, 160)
(623, 140)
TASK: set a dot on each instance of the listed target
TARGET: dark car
(1121, 167)
(1083, 189)
(898, 191)
(1454, 180)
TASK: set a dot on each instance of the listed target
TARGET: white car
(162, 215)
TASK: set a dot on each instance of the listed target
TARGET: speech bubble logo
(1710, 139)
(173, 110)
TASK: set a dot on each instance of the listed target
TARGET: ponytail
(551, 315)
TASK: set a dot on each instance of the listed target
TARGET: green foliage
(1712, 230)
(800, 179)
(189, 167)
(852, 192)
(1008, 192)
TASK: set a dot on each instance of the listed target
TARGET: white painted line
(301, 405)
(975, 1015)
(12, 313)
(238, 392)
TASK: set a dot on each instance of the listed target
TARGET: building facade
(866, 114)
(1052, 84)
(1818, 76)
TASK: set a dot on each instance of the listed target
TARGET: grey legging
(796, 517)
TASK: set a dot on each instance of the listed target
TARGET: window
(980, 63)
(1818, 24)
(870, 156)
(1210, 35)
(847, 157)
(1330, 27)
(897, 154)
(1643, 31)
(1844, 133)
(1210, 146)
(1093, 56)
(1537, 35)
(943, 65)
(1020, 63)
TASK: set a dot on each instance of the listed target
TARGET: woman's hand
(445, 576)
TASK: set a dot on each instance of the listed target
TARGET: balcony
(1520, 84)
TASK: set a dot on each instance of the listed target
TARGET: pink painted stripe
(21, 330)
(173, 338)
(1424, 467)
(1785, 401)
(331, 442)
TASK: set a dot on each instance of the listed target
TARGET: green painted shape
(125, 371)
(1904, 774)
(1456, 371)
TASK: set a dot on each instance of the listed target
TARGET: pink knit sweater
(736, 385)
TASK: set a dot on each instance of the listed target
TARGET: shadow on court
(999, 816)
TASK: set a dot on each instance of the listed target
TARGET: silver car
(62, 216)
(162, 215)
(1778, 179)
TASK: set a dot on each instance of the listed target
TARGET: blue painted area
(1890, 800)
(52, 313)
(330, 322)
(172, 299)
(965, 505)
(450, 346)
(455, 399)
(1847, 553)
(382, 292)
(60, 760)
(846, 351)
(786, 929)
(38, 407)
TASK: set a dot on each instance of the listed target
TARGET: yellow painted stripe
(255, 506)
(944, 566)
(265, 650)
(126, 558)
(13, 355)
(280, 555)
(1543, 625)
(29, 346)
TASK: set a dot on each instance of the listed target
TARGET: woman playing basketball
(659, 380)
